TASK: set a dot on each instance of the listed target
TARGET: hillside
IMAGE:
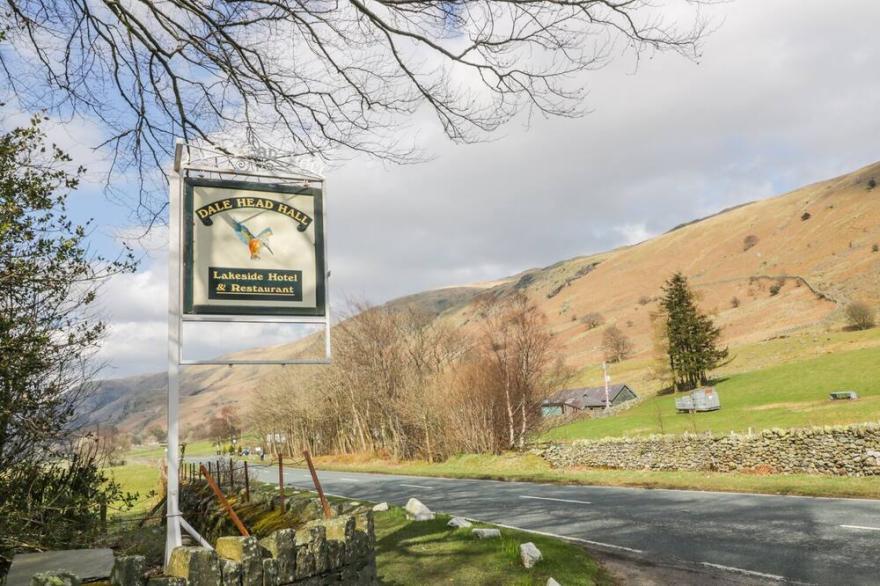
(790, 261)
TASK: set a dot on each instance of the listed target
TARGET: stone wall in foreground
(841, 451)
(336, 551)
(321, 552)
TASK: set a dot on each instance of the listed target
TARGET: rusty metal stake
(324, 504)
(281, 479)
(235, 520)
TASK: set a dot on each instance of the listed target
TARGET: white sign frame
(193, 161)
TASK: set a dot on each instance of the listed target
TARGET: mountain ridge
(790, 261)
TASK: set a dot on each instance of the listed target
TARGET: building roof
(584, 398)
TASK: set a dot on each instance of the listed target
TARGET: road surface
(762, 537)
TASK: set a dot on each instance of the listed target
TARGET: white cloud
(782, 96)
(633, 233)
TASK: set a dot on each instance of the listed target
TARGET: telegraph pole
(607, 379)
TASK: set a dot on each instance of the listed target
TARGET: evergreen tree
(691, 336)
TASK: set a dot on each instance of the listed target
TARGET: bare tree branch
(323, 78)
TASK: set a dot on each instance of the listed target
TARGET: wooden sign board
(252, 249)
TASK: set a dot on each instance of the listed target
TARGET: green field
(794, 394)
(429, 552)
(137, 478)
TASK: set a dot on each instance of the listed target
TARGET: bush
(593, 320)
(58, 503)
(860, 315)
(774, 289)
(872, 183)
(644, 300)
(875, 247)
(749, 241)
(734, 302)
(806, 216)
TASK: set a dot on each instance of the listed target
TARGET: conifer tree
(692, 337)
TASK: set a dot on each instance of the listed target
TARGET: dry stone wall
(336, 551)
(321, 552)
(841, 451)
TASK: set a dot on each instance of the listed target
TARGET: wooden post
(324, 504)
(281, 479)
(104, 515)
(247, 483)
(231, 476)
(241, 528)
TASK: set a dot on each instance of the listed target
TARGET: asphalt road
(759, 537)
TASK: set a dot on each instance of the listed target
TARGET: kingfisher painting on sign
(253, 243)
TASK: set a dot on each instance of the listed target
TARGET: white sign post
(246, 244)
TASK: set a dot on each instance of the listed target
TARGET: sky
(784, 94)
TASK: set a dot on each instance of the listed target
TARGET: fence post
(104, 515)
(281, 479)
(229, 510)
(231, 476)
(324, 504)
(247, 483)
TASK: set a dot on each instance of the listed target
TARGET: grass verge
(532, 468)
(430, 552)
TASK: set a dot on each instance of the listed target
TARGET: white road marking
(544, 498)
(565, 537)
(863, 527)
(748, 572)
(415, 486)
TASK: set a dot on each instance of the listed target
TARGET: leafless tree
(405, 385)
(518, 352)
(318, 77)
(615, 344)
(593, 320)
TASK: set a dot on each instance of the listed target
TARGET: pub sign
(252, 249)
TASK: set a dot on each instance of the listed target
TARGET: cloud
(633, 233)
(783, 95)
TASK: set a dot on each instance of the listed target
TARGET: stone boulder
(552, 582)
(529, 554)
(459, 523)
(418, 511)
(381, 507)
(486, 533)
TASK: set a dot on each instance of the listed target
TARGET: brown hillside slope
(814, 244)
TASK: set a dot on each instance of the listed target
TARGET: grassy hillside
(794, 394)
(780, 266)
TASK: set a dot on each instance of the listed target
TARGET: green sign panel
(256, 284)
(253, 249)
